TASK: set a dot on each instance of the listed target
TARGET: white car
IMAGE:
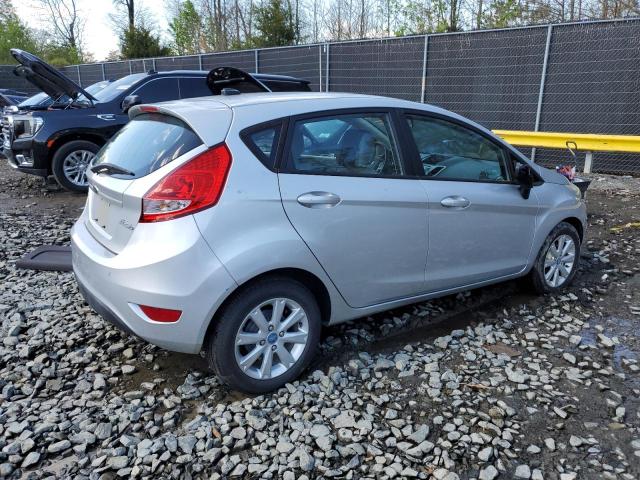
(242, 223)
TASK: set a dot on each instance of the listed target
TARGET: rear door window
(359, 144)
(194, 87)
(148, 142)
(158, 90)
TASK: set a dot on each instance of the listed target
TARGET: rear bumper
(146, 272)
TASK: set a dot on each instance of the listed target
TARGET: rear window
(148, 142)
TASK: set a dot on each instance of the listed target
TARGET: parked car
(246, 222)
(62, 142)
(42, 101)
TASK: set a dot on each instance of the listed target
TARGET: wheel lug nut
(274, 347)
(262, 342)
(282, 334)
(271, 328)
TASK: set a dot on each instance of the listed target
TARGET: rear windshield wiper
(110, 169)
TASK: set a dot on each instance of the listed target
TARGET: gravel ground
(494, 383)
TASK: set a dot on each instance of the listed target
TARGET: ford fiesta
(243, 223)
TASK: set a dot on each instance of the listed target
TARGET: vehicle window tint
(165, 139)
(158, 90)
(353, 144)
(264, 144)
(194, 87)
(451, 151)
(284, 86)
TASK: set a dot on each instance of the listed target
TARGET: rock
(59, 446)
(485, 454)
(116, 463)
(31, 459)
(186, 443)
(488, 473)
(523, 471)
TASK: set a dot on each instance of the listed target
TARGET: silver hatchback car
(241, 224)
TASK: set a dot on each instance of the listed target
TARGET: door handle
(455, 201)
(318, 200)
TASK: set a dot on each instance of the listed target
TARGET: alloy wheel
(559, 260)
(271, 338)
(75, 165)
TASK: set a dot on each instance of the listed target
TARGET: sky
(98, 37)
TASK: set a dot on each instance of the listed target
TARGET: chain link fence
(579, 77)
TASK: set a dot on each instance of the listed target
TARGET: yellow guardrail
(584, 142)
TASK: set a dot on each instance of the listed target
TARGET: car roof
(246, 110)
(309, 101)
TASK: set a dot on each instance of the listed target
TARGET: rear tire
(77, 153)
(246, 356)
(557, 261)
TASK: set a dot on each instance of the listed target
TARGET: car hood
(45, 77)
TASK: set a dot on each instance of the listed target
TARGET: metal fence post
(424, 68)
(104, 73)
(543, 78)
(200, 62)
(319, 68)
(130, 68)
(256, 59)
(326, 78)
(79, 79)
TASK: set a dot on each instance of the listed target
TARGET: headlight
(27, 127)
(576, 191)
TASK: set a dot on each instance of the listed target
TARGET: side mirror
(129, 101)
(525, 178)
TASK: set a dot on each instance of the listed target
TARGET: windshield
(35, 100)
(111, 91)
(91, 90)
(166, 138)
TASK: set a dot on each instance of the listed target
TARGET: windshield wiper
(110, 169)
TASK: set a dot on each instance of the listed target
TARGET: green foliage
(502, 13)
(186, 28)
(14, 34)
(140, 42)
(274, 21)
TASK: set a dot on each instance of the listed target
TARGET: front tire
(557, 260)
(70, 163)
(266, 336)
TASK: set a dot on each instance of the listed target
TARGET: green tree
(186, 29)
(14, 34)
(502, 13)
(141, 43)
(275, 24)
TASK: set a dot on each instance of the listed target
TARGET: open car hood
(45, 77)
(229, 77)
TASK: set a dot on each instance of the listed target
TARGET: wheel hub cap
(271, 338)
(75, 165)
(559, 260)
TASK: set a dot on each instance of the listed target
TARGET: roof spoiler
(228, 77)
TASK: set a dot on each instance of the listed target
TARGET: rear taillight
(192, 187)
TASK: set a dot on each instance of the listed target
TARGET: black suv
(62, 140)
